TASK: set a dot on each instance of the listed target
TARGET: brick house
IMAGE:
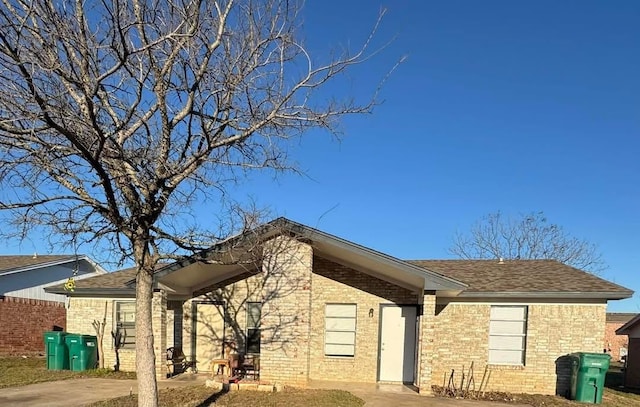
(614, 344)
(26, 310)
(317, 307)
(632, 371)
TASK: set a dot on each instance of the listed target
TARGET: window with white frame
(340, 330)
(125, 323)
(507, 335)
(254, 314)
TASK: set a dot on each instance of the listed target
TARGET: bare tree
(529, 236)
(116, 117)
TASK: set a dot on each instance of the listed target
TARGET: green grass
(200, 396)
(17, 371)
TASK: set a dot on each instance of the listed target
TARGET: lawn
(613, 396)
(200, 396)
(17, 371)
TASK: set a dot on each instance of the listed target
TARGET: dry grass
(17, 371)
(200, 396)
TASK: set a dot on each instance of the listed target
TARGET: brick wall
(23, 322)
(335, 283)
(612, 342)
(553, 330)
(286, 290)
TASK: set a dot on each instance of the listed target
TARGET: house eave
(429, 280)
(90, 292)
(626, 328)
(602, 295)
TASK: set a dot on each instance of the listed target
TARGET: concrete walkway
(397, 395)
(80, 392)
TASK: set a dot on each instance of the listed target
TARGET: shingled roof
(114, 281)
(12, 263)
(522, 277)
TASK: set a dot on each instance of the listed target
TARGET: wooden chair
(251, 366)
(235, 364)
(177, 362)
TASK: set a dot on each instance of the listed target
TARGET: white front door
(209, 332)
(397, 344)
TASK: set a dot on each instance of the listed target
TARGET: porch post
(285, 329)
(159, 326)
(426, 343)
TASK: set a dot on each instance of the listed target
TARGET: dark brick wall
(23, 322)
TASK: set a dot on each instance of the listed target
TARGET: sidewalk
(80, 392)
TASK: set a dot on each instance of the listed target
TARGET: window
(125, 321)
(507, 335)
(340, 330)
(254, 314)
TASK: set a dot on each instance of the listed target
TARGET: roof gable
(336, 249)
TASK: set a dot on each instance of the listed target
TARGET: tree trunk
(145, 355)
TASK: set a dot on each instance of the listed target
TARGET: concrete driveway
(80, 392)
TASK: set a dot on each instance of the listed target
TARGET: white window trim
(523, 335)
(354, 331)
(115, 321)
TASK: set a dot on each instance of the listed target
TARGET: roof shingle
(525, 276)
(8, 263)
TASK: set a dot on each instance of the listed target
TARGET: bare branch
(530, 236)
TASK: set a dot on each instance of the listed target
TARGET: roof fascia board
(279, 225)
(317, 235)
(623, 330)
(605, 295)
(78, 292)
(48, 264)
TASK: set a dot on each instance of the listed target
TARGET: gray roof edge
(91, 291)
(62, 260)
(604, 295)
(624, 329)
(272, 228)
(443, 282)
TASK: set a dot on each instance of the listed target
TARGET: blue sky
(501, 105)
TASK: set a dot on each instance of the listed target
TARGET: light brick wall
(159, 326)
(335, 283)
(80, 315)
(553, 330)
(426, 344)
(284, 354)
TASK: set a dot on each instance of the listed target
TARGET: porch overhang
(237, 256)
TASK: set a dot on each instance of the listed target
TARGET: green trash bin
(588, 371)
(56, 350)
(83, 351)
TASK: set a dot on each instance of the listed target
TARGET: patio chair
(251, 366)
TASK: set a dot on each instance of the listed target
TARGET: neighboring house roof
(629, 326)
(533, 278)
(18, 264)
(620, 317)
(106, 283)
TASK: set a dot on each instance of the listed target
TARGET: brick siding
(335, 283)
(80, 316)
(553, 331)
(612, 342)
(23, 322)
